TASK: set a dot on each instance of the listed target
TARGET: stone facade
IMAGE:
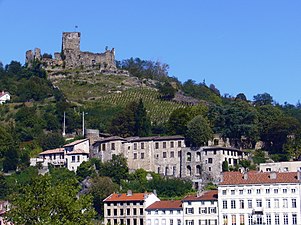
(72, 57)
(205, 163)
(155, 154)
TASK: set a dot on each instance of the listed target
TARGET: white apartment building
(270, 198)
(164, 213)
(128, 209)
(201, 209)
(293, 166)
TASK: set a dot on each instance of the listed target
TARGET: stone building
(156, 154)
(72, 57)
(205, 163)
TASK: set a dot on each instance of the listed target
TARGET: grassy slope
(114, 90)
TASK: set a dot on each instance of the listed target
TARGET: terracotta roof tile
(172, 204)
(254, 177)
(126, 198)
(205, 196)
(52, 151)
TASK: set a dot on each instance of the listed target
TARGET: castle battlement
(72, 57)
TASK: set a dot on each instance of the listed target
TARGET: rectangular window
(232, 192)
(179, 154)
(269, 220)
(250, 219)
(113, 146)
(172, 154)
(241, 192)
(257, 191)
(258, 202)
(134, 211)
(233, 204)
(250, 203)
(78, 158)
(224, 192)
(73, 158)
(241, 204)
(115, 212)
(179, 222)
(141, 211)
(109, 212)
(210, 160)
(285, 219)
(276, 191)
(285, 204)
(156, 145)
(121, 212)
(293, 190)
(267, 191)
(189, 210)
(268, 203)
(225, 220)
(249, 191)
(294, 218)
(233, 219)
(135, 146)
(171, 222)
(164, 144)
(103, 147)
(225, 204)
(284, 191)
(171, 144)
(164, 155)
(135, 155)
(179, 144)
(294, 203)
(277, 221)
(276, 203)
(128, 212)
(142, 145)
(142, 155)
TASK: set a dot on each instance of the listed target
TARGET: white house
(270, 198)
(70, 156)
(164, 213)
(127, 208)
(201, 209)
(4, 96)
(293, 166)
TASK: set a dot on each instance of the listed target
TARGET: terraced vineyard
(158, 109)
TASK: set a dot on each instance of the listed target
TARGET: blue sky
(249, 46)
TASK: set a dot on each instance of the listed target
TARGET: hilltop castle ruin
(72, 57)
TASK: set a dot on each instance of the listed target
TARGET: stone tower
(71, 41)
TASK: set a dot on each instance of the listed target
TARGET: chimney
(246, 176)
(299, 174)
(129, 193)
(273, 175)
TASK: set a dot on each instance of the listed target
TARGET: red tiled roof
(205, 196)
(176, 204)
(52, 151)
(126, 198)
(75, 142)
(2, 93)
(254, 177)
(77, 152)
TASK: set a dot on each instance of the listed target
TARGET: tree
(40, 202)
(142, 121)
(51, 141)
(198, 131)
(225, 166)
(166, 90)
(262, 99)
(241, 96)
(116, 168)
(101, 187)
(177, 123)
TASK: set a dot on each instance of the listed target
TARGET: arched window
(188, 172)
(188, 157)
(198, 156)
(198, 170)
